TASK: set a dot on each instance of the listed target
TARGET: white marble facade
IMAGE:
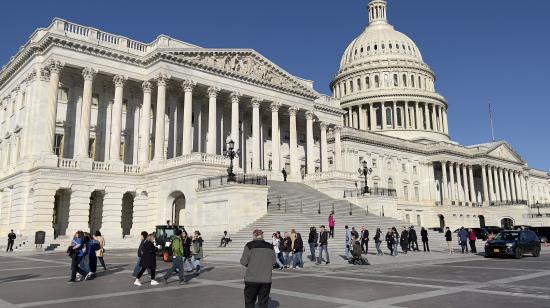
(82, 112)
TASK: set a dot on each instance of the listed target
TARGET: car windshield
(507, 236)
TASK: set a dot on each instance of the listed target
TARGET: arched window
(367, 82)
(390, 181)
(379, 117)
(386, 81)
(345, 88)
(375, 47)
(359, 84)
(361, 49)
(404, 80)
(395, 80)
(397, 46)
(389, 116)
(391, 46)
(368, 48)
(383, 46)
(412, 81)
(376, 81)
(351, 86)
(419, 82)
(399, 121)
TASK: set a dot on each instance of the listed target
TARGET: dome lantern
(378, 12)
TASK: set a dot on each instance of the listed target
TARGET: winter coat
(463, 235)
(148, 256)
(412, 235)
(472, 236)
(186, 247)
(101, 251)
(313, 237)
(424, 235)
(196, 248)
(404, 237)
(331, 221)
(448, 236)
(323, 238)
(298, 245)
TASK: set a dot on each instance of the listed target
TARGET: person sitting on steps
(225, 239)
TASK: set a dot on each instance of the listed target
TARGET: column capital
(323, 125)
(89, 73)
(256, 101)
(56, 66)
(31, 77)
(337, 128)
(162, 79)
(43, 73)
(213, 91)
(235, 96)
(119, 80)
(275, 106)
(17, 89)
(147, 86)
(293, 110)
(310, 115)
(188, 85)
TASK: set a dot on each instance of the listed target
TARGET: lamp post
(231, 154)
(364, 172)
(538, 210)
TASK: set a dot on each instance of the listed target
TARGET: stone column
(310, 159)
(275, 143)
(473, 197)
(79, 211)
(426, 117)
(361, 118)
(466, 180)
(55, 68)
(384, 122)
(372, 115)
(161, 79)
(350, 117)
(444, 185)
(406, 123)
(452, 182)
(459, 191)
(256, 134)
(112, 215)
(502, 185)
(83, 141)
(140, 215)
(188, 86)
(434, 124)
(235, 136)
(506, 184)
(212, 121)
(116, 120)
(145, 124)
(445, 123)
(294, 165)
(418, 116)
(511, 186)
(442, 124)
(490, 196)
(394, 114)
(431, 177)
(497, 185)
(324, 146)
(337, 148)
(519, 195)
(19, 102)
(486, 196)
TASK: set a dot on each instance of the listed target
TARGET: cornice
(402, 93)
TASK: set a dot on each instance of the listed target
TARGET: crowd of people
(85, 250)
(465, 237)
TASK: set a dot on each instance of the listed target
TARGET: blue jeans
(312, 251)
(195, 262)
(347, 253)
(286, 258)
(395, 252)
(74, 267)
(378, 250)
(278, 260)
(321, 249)
(137, 267)
(298, 261)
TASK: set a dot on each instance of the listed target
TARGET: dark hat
(178, 232)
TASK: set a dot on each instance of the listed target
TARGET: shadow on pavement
(18, 278)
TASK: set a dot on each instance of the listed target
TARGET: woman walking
(101, 251)
(297, 250)
(378, 241)
(331, 224)
(312, 240)
(276, 242)
(404, 240)
(148, 260)
(196, 252)
(389, 239)
(449, 239)
(76, 252)
(472, 237)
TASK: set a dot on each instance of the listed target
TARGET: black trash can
(39, 238)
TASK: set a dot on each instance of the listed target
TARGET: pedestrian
(312, 240)
(286, 248)
(297, 251)
(378, 242)
(331, 224)
(196, 251)
(364, 240)
(137, 268)
(148, 260)
(404, 240)
(177, 258)
(413, 239)
(11, 241)
(85, 263)
(348, 243)
(100, 253)
(472, 237)
(91, 247)
(186, 241)
(276, 242)
(76, 253)
(389, 239)
(463, 237)
(258, 257)
(424, 236)
(225, 239)
(323, 245)
(395, 241)
(284, 174)
(449, 239)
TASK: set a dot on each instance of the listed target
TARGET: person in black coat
(148, 260)
(389, 241)
(404, 240)
(413, 239)
(424, 236)
(312, 240)
(11, 241)
(364, 240)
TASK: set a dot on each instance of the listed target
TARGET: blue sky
(482, 51)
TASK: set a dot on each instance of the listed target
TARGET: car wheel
(488, 255)
(518, 253)
(536, 252)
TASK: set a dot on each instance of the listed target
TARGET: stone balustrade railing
(132, 169)
(67, 163)
(196, 158)
(331, 175)
(101, 166)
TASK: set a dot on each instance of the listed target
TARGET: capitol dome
(385, 85)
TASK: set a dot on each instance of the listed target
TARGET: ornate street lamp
(231, 154)
(364, 172)
(538, 210)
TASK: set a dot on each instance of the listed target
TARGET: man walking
(364, 240)
(413, 239)
(284, 174)
(347, 247)
(11, 240)
(258, 258)
(449, 239)
(177, 258)
(463, 237)
(323, 245)
(472, 237)
(424, 236)
(137, 268)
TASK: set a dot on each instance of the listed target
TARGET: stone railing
(101, 166)
(196, 158)
(222, 180)
(132, 169)
(375, 191)
(67, 163)
(331, 175)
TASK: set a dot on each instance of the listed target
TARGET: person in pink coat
(331, 224)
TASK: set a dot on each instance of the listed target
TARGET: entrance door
(441, 223)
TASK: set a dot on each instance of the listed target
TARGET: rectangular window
(367, 82)
(414, 169)
(358, 84)
(330, 161)
(404, 167)
(95, 99)
(374, 163)
(122, 148)
(406, 192)
(416, 193)
(58, 145)
(91, 148)
(395, 80)
(63, 94)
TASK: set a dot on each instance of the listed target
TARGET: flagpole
(491, 119)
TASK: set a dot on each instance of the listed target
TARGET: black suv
(513, 243)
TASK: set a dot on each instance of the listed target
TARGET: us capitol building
(103, 132)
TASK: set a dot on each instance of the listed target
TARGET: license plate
(496, 250)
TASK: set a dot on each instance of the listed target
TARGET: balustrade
(67, 163)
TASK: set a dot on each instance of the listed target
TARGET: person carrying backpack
(177, 258)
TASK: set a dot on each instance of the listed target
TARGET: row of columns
(432, 117)
(505, 185)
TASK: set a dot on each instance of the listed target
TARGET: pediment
(504, 152)
(247, 65)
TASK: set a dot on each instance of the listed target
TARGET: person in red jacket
(472, 239)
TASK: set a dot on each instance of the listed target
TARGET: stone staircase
(298, 206)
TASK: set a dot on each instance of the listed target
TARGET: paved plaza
(414, 280)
